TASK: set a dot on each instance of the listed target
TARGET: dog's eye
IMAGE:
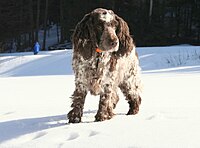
(111, 24)
(99, 28)
(105, 12)
(108, 25)
(111, 12)
(99, 25)
(98, 37)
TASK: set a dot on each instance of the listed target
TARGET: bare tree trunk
(19, 47)
(45, 25)
(150, 11)
(62, 38)
(31, 36)
(25, 42)
(37, 20)
(57, 31)
(19, 40)
(177, 21)
(191, 20)
(198, 35)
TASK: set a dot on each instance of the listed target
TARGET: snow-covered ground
(35, 98)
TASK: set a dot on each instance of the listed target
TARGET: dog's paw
(100, 116)
(74, 116)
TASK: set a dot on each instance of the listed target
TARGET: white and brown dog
(104, 59)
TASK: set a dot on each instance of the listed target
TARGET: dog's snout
(114, 43)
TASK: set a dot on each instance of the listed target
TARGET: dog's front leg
(107, 103)
(78, 100)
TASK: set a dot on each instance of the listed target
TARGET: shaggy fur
(117, 66)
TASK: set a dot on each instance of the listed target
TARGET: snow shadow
(49, 64)
(176, 70)
(16, 128)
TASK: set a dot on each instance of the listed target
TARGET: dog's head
(104, 30)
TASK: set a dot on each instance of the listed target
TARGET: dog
(104, 59)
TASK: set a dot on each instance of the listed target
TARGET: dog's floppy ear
(84, 40)
(125, 41)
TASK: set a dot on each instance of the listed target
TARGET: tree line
(151, 22)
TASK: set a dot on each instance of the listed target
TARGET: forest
(151, 22)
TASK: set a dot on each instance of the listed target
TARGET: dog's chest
(101, 73)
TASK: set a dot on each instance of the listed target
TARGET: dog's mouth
(111, 47)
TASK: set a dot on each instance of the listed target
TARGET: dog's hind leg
(131, 92)
(134, 105)
(78, 100)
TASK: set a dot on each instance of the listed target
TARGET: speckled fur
(102, 73)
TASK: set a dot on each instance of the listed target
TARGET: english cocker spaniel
(104, 59)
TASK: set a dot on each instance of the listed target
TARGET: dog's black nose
(105, 12)
(114, 43)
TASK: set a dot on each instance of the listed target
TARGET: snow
(35, 98)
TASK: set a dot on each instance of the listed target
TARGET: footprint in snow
(73, 136)
(8, 113)
(93, 133)
(156, 116)
(39, 135)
